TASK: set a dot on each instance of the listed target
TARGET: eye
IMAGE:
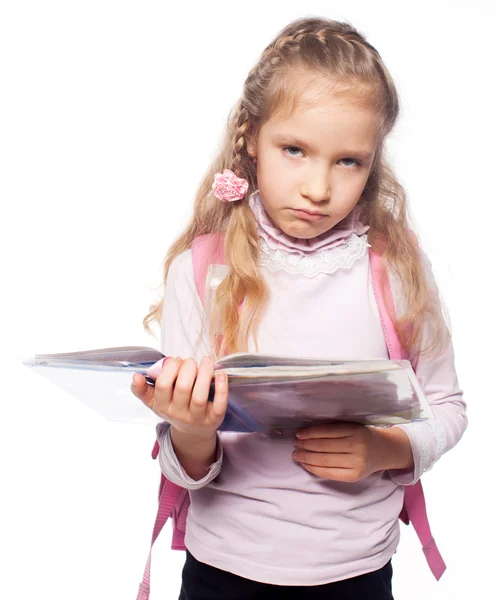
(291, 148)
(357, 162)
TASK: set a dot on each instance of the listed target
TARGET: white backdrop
(110, 113)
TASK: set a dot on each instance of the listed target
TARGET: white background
(110, 113)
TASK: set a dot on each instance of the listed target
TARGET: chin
(303, 231)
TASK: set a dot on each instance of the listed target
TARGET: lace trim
(423, 433)
(423, 444)
(441, 440)
(324, 261)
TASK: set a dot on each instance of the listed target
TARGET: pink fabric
(416, 510)
(209, 249)
(171, 499)
(378, 272)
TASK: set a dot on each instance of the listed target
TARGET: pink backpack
(174, 500)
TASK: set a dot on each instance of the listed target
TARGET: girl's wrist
(195, 454)
(395, 449)
(193, 439)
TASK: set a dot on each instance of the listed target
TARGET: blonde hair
(337, 52)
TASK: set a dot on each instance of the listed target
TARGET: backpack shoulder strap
(414, 508)
(170, 494)
(206, 249)
(379, 271)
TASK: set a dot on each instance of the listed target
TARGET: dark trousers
(204, 582)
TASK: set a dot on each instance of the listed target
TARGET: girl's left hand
(349, 452)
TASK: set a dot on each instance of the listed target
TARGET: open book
(269, 394)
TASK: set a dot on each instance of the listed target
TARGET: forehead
(326, 118)
(300, 90)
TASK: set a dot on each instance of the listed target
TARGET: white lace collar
(326, 261)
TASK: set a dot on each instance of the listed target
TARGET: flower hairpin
(229, 188)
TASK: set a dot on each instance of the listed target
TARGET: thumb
(141, 389)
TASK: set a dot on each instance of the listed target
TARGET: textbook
(268, 394)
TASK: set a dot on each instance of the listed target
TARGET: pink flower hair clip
(229, 188)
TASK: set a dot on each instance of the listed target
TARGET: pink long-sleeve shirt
(257, 513)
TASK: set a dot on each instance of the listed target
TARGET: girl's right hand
(180, 396)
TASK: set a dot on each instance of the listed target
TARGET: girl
(302, 190)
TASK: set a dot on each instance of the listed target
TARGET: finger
(217, 408)
(332, 445)
(201, 388)
(183, 387)
(165, 383)
(333, 430)
(321, 459)
(142, 390)
(155, 369)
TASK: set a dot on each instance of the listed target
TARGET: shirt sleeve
(171, 467)
(437, 376)
(184, 333)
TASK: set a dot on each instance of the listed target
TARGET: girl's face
(316, 160)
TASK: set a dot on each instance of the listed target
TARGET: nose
(317, 186)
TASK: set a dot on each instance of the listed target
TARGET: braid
(323, 34)
(241, 119)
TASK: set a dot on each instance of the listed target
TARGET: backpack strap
(414, 508)
(170, 496)
(416, 511)
(379, 271)
(206, 249)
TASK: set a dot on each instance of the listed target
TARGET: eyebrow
(291, 140)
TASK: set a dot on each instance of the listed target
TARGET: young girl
(302, 190)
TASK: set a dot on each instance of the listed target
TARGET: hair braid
(342, 31)
(242, 120)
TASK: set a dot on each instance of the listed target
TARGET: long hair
(337, 53)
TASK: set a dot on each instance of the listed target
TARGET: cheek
(345, 194)
(272, 172)
(271, 162)
(268, 185)
(350, 187)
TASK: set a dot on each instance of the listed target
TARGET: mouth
(309, 215)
